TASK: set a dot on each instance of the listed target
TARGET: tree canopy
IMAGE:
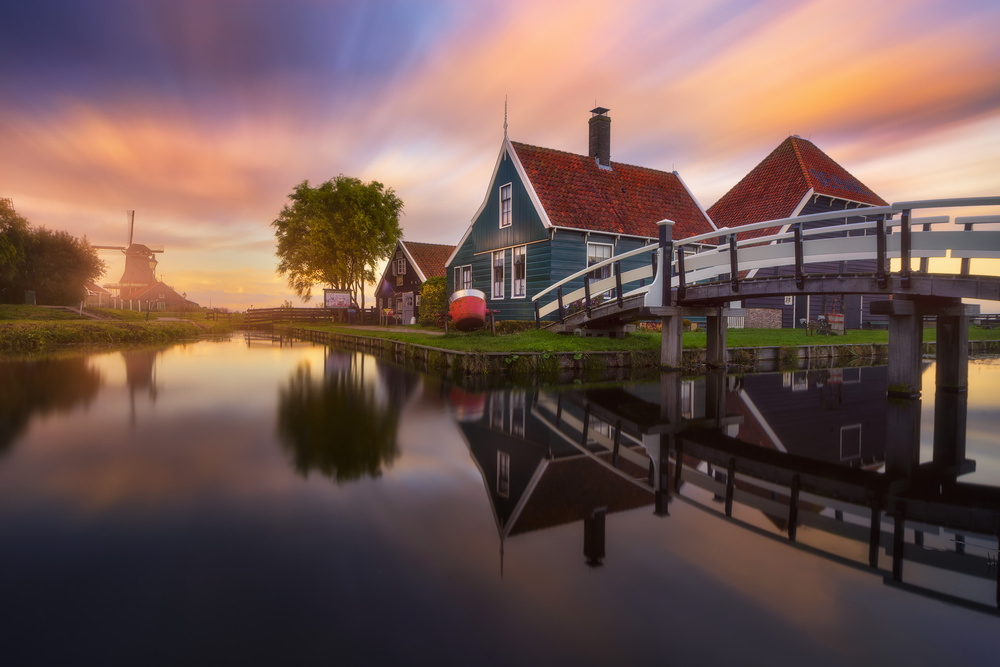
(335, 234)
(55, 264)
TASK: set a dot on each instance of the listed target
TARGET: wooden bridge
(701, 274)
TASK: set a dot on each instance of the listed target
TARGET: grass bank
(33, 329)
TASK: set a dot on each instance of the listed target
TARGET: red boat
(467, 309)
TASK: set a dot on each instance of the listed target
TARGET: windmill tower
(140, 264)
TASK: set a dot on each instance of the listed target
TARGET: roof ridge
(587, 157)
(800, 159)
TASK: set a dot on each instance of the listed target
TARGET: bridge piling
(716, 328)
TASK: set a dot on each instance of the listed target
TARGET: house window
(498, 277)
(520, 271)
(463, 277)
(505, 205)
(401, 266)
(503, 474)
(596, 253)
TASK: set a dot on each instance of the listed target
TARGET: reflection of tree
(336, 426)
(41, 387)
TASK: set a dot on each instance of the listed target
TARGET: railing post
(562, 308)
(924, 268)
(681, 288)
(800, 279)
(880, 277)
(618, 283)
(538, 319)
(904, 248)
(666, 253)
(734, 272)
(586, 293)
(966, 268)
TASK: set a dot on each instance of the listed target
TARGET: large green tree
(335, 234)
(13, 233)
(55, 264)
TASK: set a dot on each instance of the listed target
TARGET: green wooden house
(548, 214)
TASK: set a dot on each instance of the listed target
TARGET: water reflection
(336, 424)
(817, 458)
(41, 387)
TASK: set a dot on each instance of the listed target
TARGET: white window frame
(401, 266)
(519, 286)
(502, 283)
(608, 268)
(506, 205)
(459, 278)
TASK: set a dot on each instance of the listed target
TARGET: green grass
(546, 341)
(35, 313)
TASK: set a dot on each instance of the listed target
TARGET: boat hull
(468, 309)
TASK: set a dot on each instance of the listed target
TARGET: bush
(433, 300)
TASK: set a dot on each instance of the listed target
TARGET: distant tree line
(54, 264)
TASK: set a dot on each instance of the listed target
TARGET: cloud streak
(203, 116)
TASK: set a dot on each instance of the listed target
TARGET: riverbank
(642, 352)
(36, 329)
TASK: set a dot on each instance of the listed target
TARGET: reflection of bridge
(707, 272)
(552, 458)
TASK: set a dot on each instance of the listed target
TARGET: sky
(203, 115)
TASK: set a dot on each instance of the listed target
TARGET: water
(238, 502)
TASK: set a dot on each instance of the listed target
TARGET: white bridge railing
(879, 237)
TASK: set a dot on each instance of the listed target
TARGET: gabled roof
(623, 199)
(427, 258)
(777, 187)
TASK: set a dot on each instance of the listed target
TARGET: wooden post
(880, 276)
(618, 283)
(730, 485)
(904, 248)
(966, 268)
(734, 264)
(716, 326)
(562, 308)
(898, 532)
(793, 508)
(681, 288)
(666, 253)
(586, 293)
(799, 275)
(538, 320)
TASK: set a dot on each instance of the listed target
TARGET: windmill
(140, 264)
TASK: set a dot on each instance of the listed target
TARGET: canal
(258, 502)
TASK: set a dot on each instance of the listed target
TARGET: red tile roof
(774, 188)
(624, 199)
(430, 257)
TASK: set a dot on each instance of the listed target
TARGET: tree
(13, 232)
(55, 264)
(335, 234)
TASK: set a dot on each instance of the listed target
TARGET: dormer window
(505, 205)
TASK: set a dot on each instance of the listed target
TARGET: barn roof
(776, 187)
(623, 199)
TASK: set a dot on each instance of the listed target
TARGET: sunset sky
(202, 115)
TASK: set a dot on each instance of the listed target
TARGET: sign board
(337, 298)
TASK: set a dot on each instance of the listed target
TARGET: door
(407, 307)
(800, 311)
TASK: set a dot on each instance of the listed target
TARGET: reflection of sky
(203, 115)
(191, 525)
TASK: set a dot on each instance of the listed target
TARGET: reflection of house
(797, 179)
(537, 469)
(548, 214)
(410, 266)
(835, 415)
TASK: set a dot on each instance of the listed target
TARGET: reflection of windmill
(140, 264)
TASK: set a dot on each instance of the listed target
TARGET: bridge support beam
(670, 347)
(716, 325)
(906, 337)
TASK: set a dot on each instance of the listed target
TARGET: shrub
(433, 300)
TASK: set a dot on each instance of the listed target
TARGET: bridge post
(906, 334)
(904, 248)
(716, 326)
(666, 254)
(880, 245)
(799, 275)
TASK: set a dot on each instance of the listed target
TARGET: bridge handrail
(650, 247)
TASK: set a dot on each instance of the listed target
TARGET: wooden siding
(526, 223)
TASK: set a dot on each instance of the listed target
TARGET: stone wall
(763, 318)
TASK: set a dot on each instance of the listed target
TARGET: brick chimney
(600, 136)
